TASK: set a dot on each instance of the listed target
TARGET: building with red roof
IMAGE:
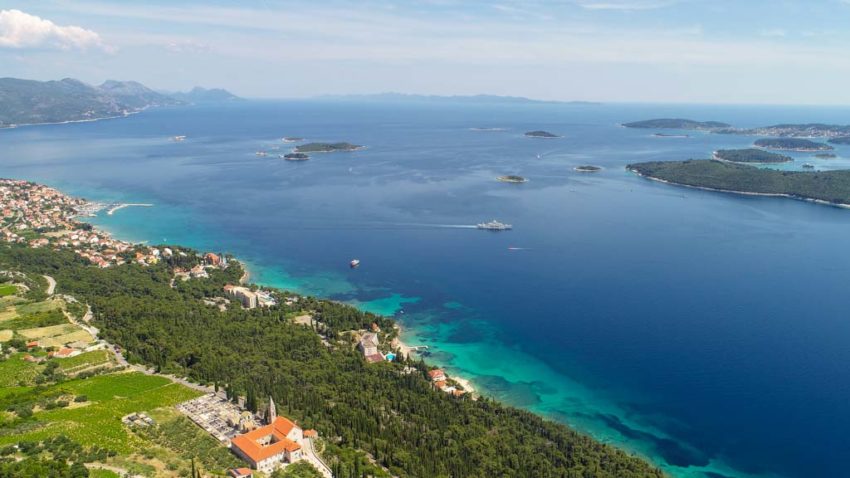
(268, 447)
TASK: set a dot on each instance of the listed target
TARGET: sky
(669, 51)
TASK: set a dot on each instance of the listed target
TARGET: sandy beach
(406, 350)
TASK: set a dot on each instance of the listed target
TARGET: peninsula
(326, 147)
(839, 140)
(791, 130)
(541, 134)
(676, 123)
(792, 144)
(27, 102)
(827, 187)
(512, 179)
(160, 377)
(750, 155)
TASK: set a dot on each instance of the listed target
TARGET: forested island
(792, 144)
(832, 187)
(588, 168)
(676, 123)
(296, 157)
(826, 156)
(839, 140)
(541, 134)
(326, 147)
(511, 178)
(751, 155)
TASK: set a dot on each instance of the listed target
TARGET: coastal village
(39, 216)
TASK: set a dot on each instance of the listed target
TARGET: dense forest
(829, 186)
(388, 410)
(792, 144)
(751, 155)
(676, 123)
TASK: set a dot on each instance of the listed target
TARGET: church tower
(272, 411)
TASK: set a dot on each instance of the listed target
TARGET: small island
(667, 135)
(792, 144)
(840, 140)
(512, 179)
(751, 155)
(587, 168)
(676, 123)
(326, 147)
(541, 134)
(825, 187)
(826, 156)
(296, 157)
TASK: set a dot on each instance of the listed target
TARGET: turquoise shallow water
(704, 331)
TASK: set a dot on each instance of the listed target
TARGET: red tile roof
(250, 446)
(374, 358)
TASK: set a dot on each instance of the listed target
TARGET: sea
(704, 331)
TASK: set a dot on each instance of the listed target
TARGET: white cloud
(22, 30)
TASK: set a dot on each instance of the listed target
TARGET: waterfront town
(39, 216)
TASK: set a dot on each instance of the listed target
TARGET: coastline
(743, 193)
(406, 350)
(91, 120)
(715, 157)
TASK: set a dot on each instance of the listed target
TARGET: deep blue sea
(707, 332)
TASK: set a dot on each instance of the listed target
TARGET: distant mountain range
(38, 102)
(452, 99)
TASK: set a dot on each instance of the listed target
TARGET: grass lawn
(8, 289)
(110, 398)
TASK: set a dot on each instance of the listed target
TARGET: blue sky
(697, 51)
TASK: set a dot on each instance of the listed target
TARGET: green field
(14, 371)
(84, 361)
(7, 290)
(98, 421)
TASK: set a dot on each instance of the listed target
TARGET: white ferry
(494, 225)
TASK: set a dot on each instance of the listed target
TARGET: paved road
(313, 458)
(51, 285)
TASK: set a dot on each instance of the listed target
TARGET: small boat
(494, 225)
(262, 153)
(809, 166)
(354, 263)
(178, 138)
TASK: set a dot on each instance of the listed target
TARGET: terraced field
(98, 421)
